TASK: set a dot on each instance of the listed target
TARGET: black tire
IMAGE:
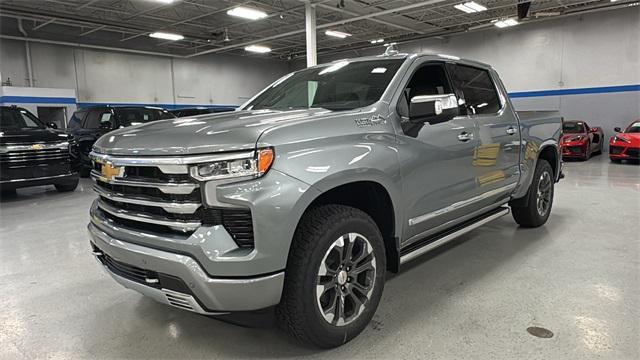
(587, 152)
(616, 161)
(528, 214)
(300, 312)
(67, 186)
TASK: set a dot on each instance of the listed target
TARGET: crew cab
(32, 153)
(307, 195)
(581, 141)
(88, 124)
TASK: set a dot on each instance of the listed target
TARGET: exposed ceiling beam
(88, 3)
(388, 23)
(44, 24)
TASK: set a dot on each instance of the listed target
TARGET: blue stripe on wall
(578, 91)
(37, 100)
(513, 95)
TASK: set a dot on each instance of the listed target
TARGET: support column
(310, 30)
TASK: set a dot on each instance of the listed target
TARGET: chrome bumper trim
(168, 206)
(135, 216)
(36, 179)
(165, 187)
(34, 147)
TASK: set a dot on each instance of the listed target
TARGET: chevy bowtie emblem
(36, 147)
(109, 171)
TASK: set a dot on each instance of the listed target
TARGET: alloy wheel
(543, 200)
(346, 279)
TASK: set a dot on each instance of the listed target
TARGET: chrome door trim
(461, 204)
(443, 240)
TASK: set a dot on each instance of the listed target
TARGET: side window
(430, 79)
(97, 119)
(76, 120)
(476, 86)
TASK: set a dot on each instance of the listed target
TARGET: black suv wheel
(536, 210)
(334, 277)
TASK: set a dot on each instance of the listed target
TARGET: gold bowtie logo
(36, 147)
(109, 171)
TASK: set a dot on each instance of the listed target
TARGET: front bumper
(574, 149)
(16, 183)
(624, 152)
(205, 295)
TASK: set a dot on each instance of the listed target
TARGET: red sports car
(625, 145)
(580, 141)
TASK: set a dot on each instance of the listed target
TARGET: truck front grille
(35, 154)
(148, 199)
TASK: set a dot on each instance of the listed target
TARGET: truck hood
(232, 131)
(31, 136)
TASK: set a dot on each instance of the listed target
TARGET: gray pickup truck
(305, 196)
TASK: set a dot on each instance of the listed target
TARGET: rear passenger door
(497, 156)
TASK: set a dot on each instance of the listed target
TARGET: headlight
(616, 138)
(253, 166)
(574, 138)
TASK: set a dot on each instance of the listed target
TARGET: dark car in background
(88, 124)
(580, 141)
(33, 153)
(201, 110)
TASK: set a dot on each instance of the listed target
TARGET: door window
(97, 118)
(477, 88)
(428, 80)
(76, 119)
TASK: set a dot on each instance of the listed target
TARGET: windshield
(136, 116)
(573, 128)
(341, 85)
(16, 118)
(633, 128)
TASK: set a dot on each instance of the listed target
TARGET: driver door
(436, 158)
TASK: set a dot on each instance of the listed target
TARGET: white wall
(116, 77)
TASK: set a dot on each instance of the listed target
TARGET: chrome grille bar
(165, 187)
(136, 216)
(168, 206)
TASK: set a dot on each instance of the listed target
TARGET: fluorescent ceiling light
(166, 36)
(258, 49)
(470, 7)
(247, 13)
(164, 1)
(506, 23)
(338, 34)
(377, 41)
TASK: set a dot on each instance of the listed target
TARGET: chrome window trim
(168, 160)
(168, 206)
(460, 204)
(131, 215)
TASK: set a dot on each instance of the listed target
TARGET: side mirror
(594, 129)
(617, 129)
(52, 125)
(433, 109)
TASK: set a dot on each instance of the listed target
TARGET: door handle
(465, 136)
(511, 130)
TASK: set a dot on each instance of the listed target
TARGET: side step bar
(423, 246)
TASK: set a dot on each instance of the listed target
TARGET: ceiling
(126, 24)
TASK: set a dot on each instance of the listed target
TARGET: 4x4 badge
(372, 120)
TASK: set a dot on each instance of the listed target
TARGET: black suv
(88, 124)
(32, 153)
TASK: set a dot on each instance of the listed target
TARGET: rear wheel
(536, 210)
(616, 161)
(334, 277)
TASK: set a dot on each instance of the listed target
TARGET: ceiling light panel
(470, 7)
(247, 13)
(338, 34)
(506, 23)
(258, 49)
(166, 36)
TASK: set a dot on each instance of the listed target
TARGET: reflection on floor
(578, 276)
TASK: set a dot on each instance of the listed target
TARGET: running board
(425, 245)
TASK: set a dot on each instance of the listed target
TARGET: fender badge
(376, 119)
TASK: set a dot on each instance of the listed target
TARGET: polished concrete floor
(578, 276)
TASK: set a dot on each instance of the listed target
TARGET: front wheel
(334, 277)
(67, 186)
(536, 210)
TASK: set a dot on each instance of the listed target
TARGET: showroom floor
(578, 276)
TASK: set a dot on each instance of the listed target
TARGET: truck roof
(418, 55)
